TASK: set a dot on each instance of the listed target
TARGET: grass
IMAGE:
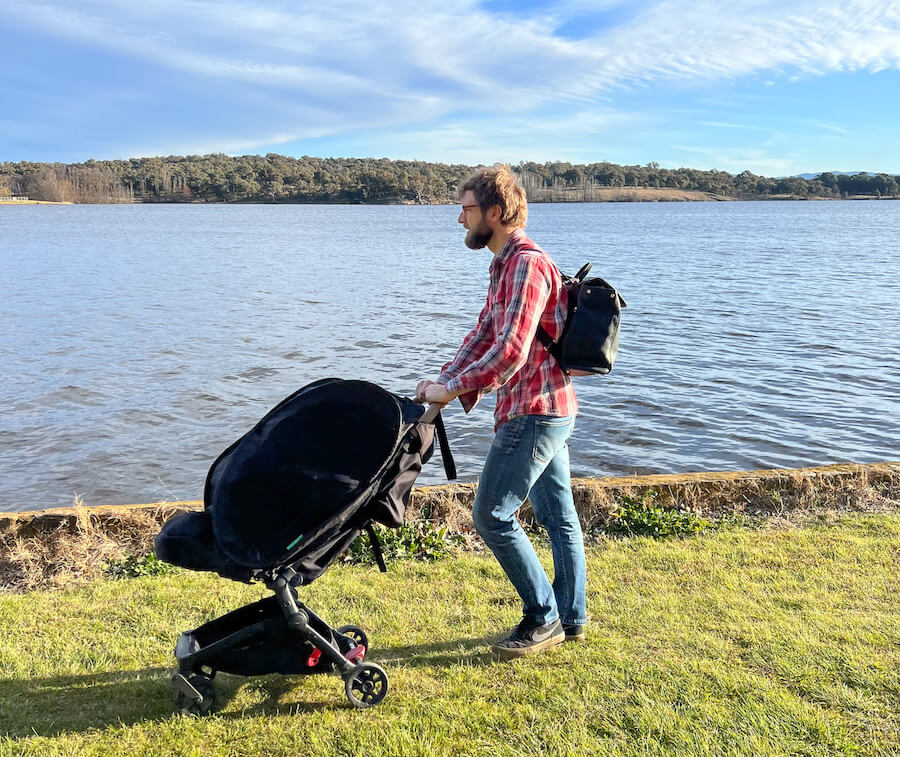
(733, 641)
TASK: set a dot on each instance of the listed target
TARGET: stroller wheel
(366, 685)
(194, 694)
(356, 634)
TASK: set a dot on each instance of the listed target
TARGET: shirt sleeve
(473, 347)
(528, 283)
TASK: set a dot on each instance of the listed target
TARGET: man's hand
(432, 391)
(421, 387)
(438, 393)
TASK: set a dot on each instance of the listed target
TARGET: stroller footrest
(357, 654)
(183, 685)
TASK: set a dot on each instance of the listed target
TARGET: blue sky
(774, 87)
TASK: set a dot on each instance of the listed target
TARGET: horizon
(683, 83)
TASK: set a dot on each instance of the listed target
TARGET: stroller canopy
(306, 461)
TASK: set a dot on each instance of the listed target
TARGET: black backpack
(590, 339)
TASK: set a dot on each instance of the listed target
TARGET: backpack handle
(583, 272)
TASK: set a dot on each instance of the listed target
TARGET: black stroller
(281, 504)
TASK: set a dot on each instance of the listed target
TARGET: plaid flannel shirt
(501, 353)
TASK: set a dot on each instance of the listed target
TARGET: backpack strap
(376, 547)
(543, 337)
(541, 334)
(446, 455)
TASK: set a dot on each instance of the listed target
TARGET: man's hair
(497, 186)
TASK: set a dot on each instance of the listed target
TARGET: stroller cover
(297, 488)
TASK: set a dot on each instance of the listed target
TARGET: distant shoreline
(624, 195)
(273, 178)
(568, 195)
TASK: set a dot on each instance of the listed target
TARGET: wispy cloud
(345, 44)
(348, 62)
(739, 160)
(828, 127)
(723, 125)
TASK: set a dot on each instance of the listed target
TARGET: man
(535, 413)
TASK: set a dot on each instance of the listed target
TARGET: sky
(777, 88)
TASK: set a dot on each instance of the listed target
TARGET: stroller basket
(281, 504)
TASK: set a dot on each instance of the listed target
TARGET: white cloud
(348, 43)
(487, 140)
(352, 63)
(735, 161)
(829, 127)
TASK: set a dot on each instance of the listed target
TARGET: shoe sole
(506, 653)
(576, 637)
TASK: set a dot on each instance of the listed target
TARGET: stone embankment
(56, 546)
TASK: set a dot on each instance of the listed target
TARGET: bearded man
(533, 419)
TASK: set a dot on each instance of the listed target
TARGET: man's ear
(494, 213)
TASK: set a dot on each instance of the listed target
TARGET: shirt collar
(511, 245)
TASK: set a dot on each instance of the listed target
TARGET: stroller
(281, 504)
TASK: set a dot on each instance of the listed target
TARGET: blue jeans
(529, 455)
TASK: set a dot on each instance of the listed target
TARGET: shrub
(644, 517)
(421, 540)
(133, 566)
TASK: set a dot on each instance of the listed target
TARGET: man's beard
(479, 236)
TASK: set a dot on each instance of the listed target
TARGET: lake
(138, 341)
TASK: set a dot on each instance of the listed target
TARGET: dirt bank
(55, 547)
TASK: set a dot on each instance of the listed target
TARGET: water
(137, 342)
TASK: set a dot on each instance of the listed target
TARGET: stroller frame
(344, 648)
(306, 643)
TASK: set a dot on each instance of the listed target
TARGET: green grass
(735, 641)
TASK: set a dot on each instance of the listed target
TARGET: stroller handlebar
(432, 412)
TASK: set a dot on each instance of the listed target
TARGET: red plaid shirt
(501, 353)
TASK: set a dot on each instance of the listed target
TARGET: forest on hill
(278, 178)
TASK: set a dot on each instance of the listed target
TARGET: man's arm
(473, 346)
(529, 283)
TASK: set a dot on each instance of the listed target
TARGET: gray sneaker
(530, 638)
(574, 632)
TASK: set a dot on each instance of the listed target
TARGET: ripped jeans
(529, 457)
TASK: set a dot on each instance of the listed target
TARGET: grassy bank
(58, 546)
(735, 641)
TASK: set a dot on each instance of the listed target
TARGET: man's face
(473, 220)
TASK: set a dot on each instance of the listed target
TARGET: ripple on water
(780, 351)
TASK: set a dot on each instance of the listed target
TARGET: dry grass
(772, 494)
(71, 545)
(790, 493)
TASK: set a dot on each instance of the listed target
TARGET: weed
(644, 517)
(421, 540)
(133, 566)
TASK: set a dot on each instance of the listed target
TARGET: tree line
(278, 178)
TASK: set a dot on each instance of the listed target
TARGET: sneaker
(530, 638)
(574, 632)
